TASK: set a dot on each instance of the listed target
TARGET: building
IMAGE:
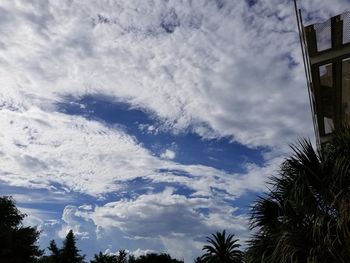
(326, 52)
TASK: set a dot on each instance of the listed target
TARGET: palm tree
(198, 260)
(305, 216)
(222, 249)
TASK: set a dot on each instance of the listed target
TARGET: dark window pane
(346, 27)
(327, 97)
(323, 35)
(346, 90)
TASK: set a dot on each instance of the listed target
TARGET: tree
(104, 258)
(131, 259)
(55, 256)
(122, 256)
(70, 253)
(222, 249)
(305, 217)
(198, 260)
(67, 254)
(156, 258)
(17, 243)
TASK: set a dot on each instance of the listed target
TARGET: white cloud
(44, 149)
(68, 153)
(157, 212)
(72, 221)
(192, 66)
(168, 154)
(166, 221)
(138, 252)
(230, 76)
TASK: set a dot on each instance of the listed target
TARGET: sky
(148, 125)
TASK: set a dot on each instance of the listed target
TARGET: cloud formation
(233, 75)
(220, 69)
(61, 152)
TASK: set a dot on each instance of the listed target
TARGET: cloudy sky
(147, 125)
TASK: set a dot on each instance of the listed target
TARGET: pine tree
(70, 253)
(17, 243)
(104, 258)
(55, 252)
(122, 256)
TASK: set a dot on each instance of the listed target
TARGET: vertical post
(305, 54)
(337, 42)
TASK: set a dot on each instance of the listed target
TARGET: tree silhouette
(70, 253)
(198, 260)
(305, 217)
(55, 256)
(55, 252)
(104, 258)
(17, 243)
(131, 259)
(156, 258)
(222, 249)
(122, 256)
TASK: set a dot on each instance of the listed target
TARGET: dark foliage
(122, 257)
(198, 260)
(104, 258)
(156, 258)
(17, 243)
(305, 217)
(55, 252)
(69, 253)
(222, 249)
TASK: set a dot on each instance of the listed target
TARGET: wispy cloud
(219, 69)
(225, 79)
(51, 150)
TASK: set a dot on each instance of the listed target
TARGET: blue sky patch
(190, 148)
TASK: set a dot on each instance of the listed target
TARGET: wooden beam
(330, 56)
